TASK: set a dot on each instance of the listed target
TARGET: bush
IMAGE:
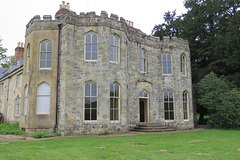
(45, 135)
(6, 128)
(222, 101)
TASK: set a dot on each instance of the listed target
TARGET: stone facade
(68, 84)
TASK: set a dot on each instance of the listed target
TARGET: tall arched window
(90, 101)
(185, 105)
(25, 100)
(28, 58)
(183, 64)
(168, 105)
(167, 63)
(17, 106)
(114, 101)
(143, 61)
(43, 99)
(114, 48)
(91, 48)
(46, 54)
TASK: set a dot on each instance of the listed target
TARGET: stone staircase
(151, 127)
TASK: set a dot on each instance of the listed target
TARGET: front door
(143, 110)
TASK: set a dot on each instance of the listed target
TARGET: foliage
(45, 135)
(6, 128)
(220, 144)
(222, 101)
(2, 51)
(9, 60)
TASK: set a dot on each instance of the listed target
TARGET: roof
(6, 71)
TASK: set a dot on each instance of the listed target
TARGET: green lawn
(212, 143)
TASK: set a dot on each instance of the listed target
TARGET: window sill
(112, 121)
(42, 113)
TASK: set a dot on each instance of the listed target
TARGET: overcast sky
(15, 14)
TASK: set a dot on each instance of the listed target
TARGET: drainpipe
(59, 34)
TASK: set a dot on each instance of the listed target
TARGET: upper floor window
(114, 101)
(114, 48)
(183, 64)
(19, 80)
(90, 108)
(46, 54)
(91, 47)
(28, 58)
(143, 61)
(168, 105)
(185, 105)
(17, 106)
(25, 100)
(167, 63)
(43, 99)
(1, 87)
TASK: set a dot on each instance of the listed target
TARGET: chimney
(68, 6)
(19, 52)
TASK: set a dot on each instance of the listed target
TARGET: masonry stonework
(75, 72)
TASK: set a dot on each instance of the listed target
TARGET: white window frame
(19, 80)
(47, 95)
(185, 105)
(28, 57)
(183, 65)
(166, 62)
(84, 108)
(47, 52)
(17, 106)
(168, 102)
(85, 44)
(116, 48)
(117, 99)
(25, 100)
(143, 56)
(1, 87)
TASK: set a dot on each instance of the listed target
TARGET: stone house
(96, 74)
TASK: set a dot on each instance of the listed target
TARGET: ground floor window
(17, 106)
(185, 105)
(114, 102)
(168, 105)
(90, 108)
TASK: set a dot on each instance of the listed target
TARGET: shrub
(6, 128)
(222, 101)
(45, 135)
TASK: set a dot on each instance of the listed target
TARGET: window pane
(171, 106)
(171, 115)
(116, 103)
(94, 102)
(94, 47)
(88, 47)
(87, 89)
(49, 47)
(88, 56)
(168, 57)
(94, 114)
(94, 38)
(166, 115)
(116, 91)
(111, 114)
(94, 56)
(87, 114)
(88, 38)
(111, 40)
(165, 106)
(170, 96)
(49, 55)
(94, 89)
(43, 47)
(111, 103)
(87, 102)
(164, 70)
(43, 56)
(111, 90)
(164, 58)
(49, 63)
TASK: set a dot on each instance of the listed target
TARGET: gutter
(59, 47)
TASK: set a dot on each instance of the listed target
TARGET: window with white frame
(167, 63)
(25, 100)
(114, 48)
(185, 105)
(1, 87)
(17, 106)
(28, 58)
(168, 105)
(90, 107)
(19, 80)
(183, 64)
(46, 55)
(143, 61)
(43, 99)
(91, 46)
(114, 101)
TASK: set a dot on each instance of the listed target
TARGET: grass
(11, 129)
(200, 145)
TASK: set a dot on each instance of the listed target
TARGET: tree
(2, 51)
(222, 100)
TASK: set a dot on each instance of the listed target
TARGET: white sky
(15, 14)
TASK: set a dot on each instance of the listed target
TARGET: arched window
(91, 47)
(90, 101)
(183, 64)
(143, 94)
(28, 58)
(43, 99)
(185, 105)
(46, 54)
(114, 101)
(114, 48)
(143, 61)
(168, 105)
(167, 63)
(25, 100)
(17, 106)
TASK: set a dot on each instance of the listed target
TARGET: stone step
(152, 130)
(151, 127)
(154, 127)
